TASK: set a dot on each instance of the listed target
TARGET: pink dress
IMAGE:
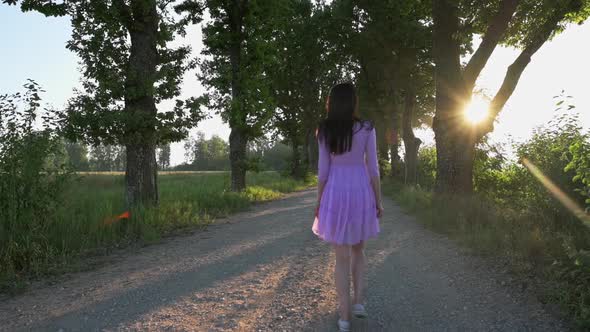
(348, 212)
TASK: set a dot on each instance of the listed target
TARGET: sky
(34, 47)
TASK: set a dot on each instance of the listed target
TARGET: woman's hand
(379, 210)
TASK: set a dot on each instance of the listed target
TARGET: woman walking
(349, 195)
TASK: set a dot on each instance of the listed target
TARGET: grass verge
(86, 224)
(549, 255)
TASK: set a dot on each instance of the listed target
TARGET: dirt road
(264, 270)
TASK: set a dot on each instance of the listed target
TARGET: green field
(85, 224)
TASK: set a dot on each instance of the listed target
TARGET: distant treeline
(201, 154)
(212, 154)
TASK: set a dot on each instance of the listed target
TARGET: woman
(349, 195)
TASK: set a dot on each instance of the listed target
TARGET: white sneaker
(343, 325)
(358, 310)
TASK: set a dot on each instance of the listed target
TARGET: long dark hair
(337, 129)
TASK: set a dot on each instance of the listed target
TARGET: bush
(549, 149)
(488, 163)
(580, 164)
(427, 167)
(33, 177)
(542, 228)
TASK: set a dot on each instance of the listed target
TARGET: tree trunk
(307, 152)
(455, 138)
(238, 138)
(455, 153)
(313, 151)
(141, 175)
(455, 144)
(382, 147)
(296, 171)
(382, 127)
(141, 169)
(393, 139)
(237, 158)
(411, 161)
(396, 160)
(411, 142)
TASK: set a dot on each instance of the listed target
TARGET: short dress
(348, 211)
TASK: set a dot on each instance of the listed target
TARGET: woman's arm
(323, 169)
(376, 184)
(373, 169)
(321, 185)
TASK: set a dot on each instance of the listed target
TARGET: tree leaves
(46, 7)
(101, 37)
(251, 108)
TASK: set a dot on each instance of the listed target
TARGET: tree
(107, 158)
(390, 46)
(194, 148)
(218, 152)
(332, 65)
(289, 81)
(207, 154)
(418, 103)
(164, 157)
(239, 48)
(411, 142)
(376, 49)
(77, 155)
(276, 157)
(525, 24)
(307, 67)
(128, 67)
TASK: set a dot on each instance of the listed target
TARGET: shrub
(427, 167)
(580, 164)
(33, 177)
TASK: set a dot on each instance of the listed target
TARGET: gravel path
(264, 270)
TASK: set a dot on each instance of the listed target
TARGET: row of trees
(399, 48)
(105, 157)
(201, 154)
(129, 65)
(268, 65)
(212, 154)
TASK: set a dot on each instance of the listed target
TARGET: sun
(477, 110)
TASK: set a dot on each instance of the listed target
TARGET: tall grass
(84, 223)
(514, 216)
(533, 242)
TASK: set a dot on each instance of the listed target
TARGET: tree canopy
(267, 67)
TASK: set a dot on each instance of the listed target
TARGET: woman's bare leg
(359, 267)
(341, 275)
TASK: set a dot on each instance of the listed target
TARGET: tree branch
(490, 40)
(516, 69)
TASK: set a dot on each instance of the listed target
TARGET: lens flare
(477, 110)
(562, 197)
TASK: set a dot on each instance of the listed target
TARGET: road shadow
(255, 240)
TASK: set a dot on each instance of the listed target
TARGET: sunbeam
(562, 197)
